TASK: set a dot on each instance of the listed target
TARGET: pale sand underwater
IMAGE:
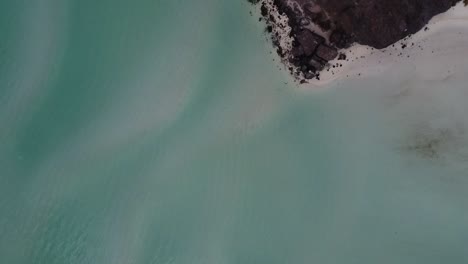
(162, 132)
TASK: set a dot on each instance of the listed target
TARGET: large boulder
(377, 23)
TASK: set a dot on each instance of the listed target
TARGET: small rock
(309, 75)
(297, 51)
(309, 41)
(326, 52)
(264, 10)
(316, 63)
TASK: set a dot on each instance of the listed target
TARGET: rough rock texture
(319, 28)
(380, 23)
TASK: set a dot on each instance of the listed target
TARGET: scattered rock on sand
(318, 29)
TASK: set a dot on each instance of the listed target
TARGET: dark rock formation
(326, 52)
(308, 42)
(380, 23)
(376, 23)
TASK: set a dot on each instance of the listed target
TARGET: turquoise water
(154, 131)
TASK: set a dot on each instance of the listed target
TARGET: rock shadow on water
(437, 145)
(429, 146)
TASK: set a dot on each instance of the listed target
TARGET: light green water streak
(154, 131)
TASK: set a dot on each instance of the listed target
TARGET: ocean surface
(167, 132)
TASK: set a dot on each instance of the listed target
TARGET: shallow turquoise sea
(157, 131)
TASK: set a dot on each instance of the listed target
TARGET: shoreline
(369, 61)
(331, 65)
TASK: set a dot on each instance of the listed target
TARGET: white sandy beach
(445, 40)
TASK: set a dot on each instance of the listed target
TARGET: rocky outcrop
(380, 23)
(319, 28)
